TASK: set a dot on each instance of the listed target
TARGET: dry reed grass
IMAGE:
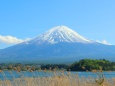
(57, 80)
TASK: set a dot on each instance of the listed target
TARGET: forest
(91, 64)
(82, 65)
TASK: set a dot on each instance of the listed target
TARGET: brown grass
(56, 80)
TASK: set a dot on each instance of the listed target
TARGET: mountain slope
(58, 45)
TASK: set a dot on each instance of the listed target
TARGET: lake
(14, 74)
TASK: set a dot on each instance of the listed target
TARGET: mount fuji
(61, 34)
(58, 45)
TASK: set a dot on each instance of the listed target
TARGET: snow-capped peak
(61, 34)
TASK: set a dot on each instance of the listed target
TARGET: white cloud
(11, 40)
(103, 42)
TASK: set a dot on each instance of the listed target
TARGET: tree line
(91, 64)
(82, 65)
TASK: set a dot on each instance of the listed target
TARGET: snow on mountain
(60, 34)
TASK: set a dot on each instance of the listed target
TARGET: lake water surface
(14, 74)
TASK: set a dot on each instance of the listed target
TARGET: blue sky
(24, 19)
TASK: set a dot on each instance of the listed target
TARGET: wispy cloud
(11, 39)
(103, 42)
